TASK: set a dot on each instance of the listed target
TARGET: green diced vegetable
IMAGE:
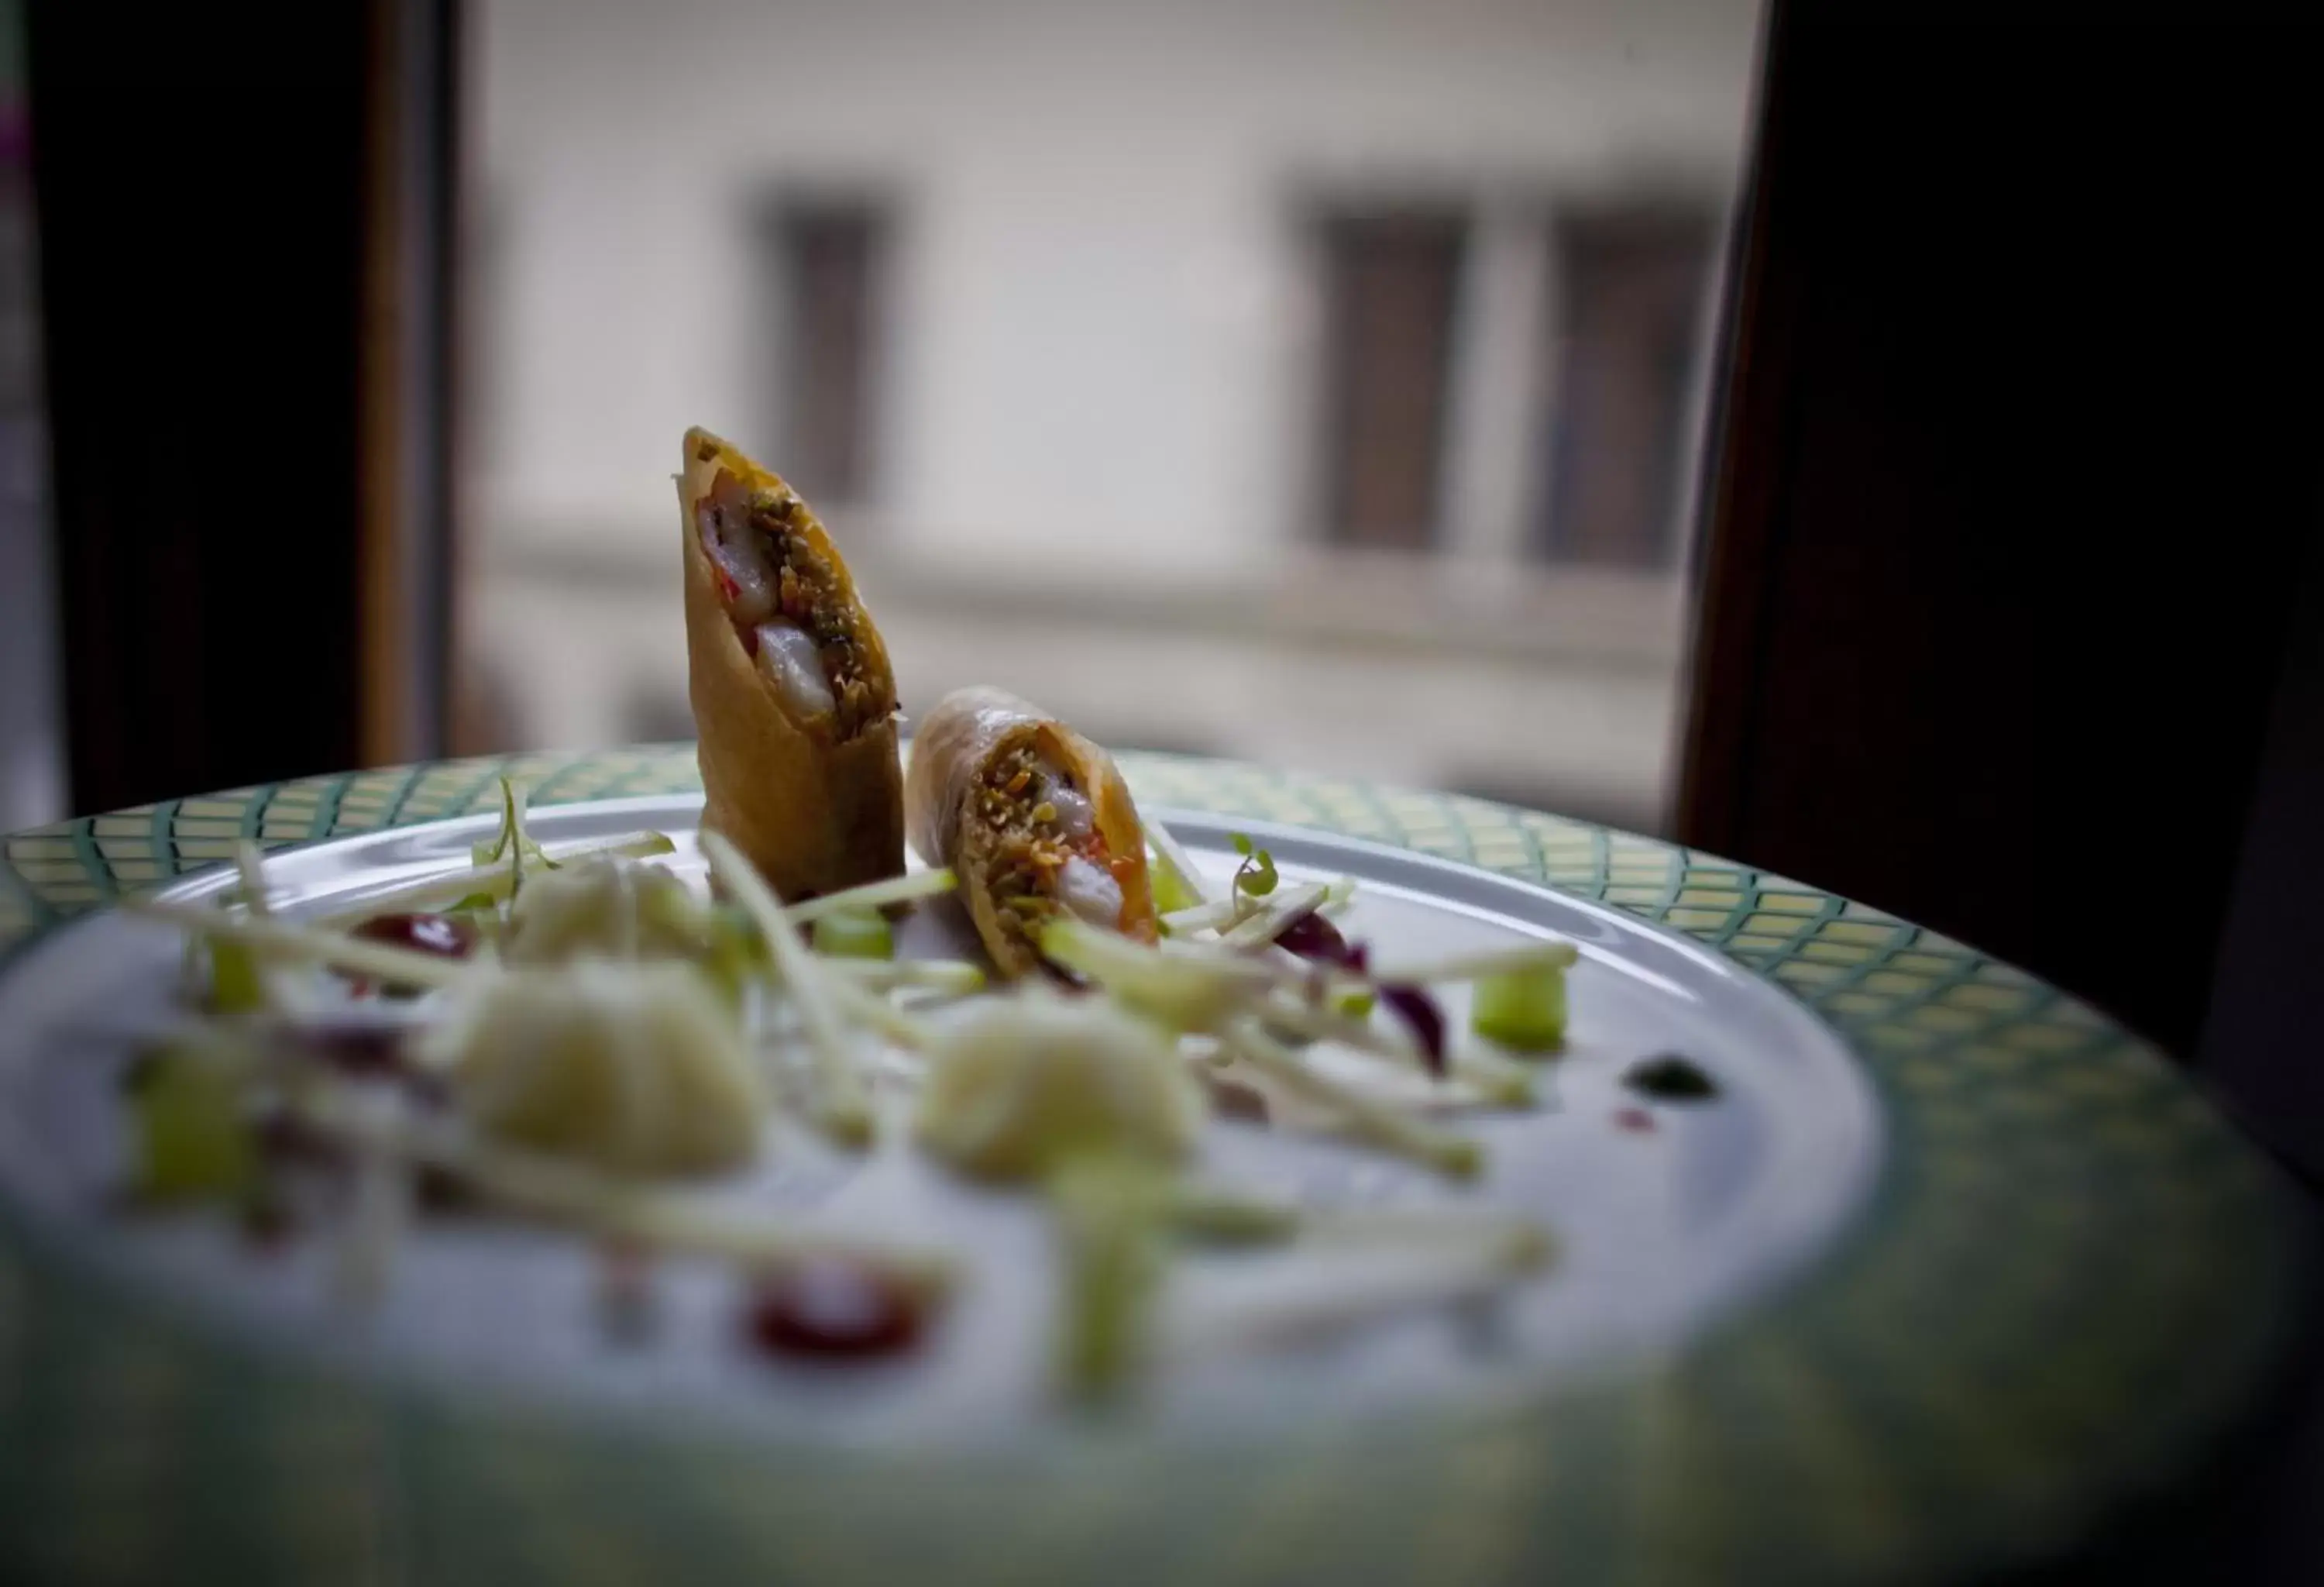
(235, 985)
(1355, 1003)
(193, 1141)
(1113, 1214)
(1523, 1010)
(854, 934)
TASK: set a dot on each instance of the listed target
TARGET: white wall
(1099, 344)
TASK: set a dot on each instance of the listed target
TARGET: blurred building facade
(1315, 384)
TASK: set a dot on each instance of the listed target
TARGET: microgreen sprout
(512, 842)
(854, 934)
(1254, 878)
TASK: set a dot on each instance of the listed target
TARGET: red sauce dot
(836, 1309)
(1637, 1120)
(440, 934)
(426, 933)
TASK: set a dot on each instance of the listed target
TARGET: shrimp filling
(790, 658)
(1048, 854)
(1088, 892)
(809, 639)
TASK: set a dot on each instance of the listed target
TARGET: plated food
(587, 1035)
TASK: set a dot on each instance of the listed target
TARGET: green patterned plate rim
(1929, 1399)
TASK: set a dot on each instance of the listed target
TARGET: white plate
(1660, 1232)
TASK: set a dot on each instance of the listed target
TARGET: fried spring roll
(1032, 816)
(794, 701)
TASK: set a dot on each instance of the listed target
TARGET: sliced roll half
(1032, 816)
(794, 701)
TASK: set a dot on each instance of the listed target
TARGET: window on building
(1630, 285)
(826, 261)
(1390, 281)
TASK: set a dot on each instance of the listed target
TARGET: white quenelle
(1025, 1082)
(602, 906)
(636, 1068)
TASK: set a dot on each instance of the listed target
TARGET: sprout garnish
(1177, 885)
(1266, 924)
(1200, 917)
(1496, 1081)
(1225, 912)
(1451, 1272)
(841, 1106)
(875, 895)
(945, 977)
(867, 1008)
(376, 960)
(546, 1188)
(511, 840)
(480, 890)
(1454, 1156)
(1183, 987)
(854, 934)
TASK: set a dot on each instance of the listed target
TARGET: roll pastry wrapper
(813, 811)
(969, 730)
